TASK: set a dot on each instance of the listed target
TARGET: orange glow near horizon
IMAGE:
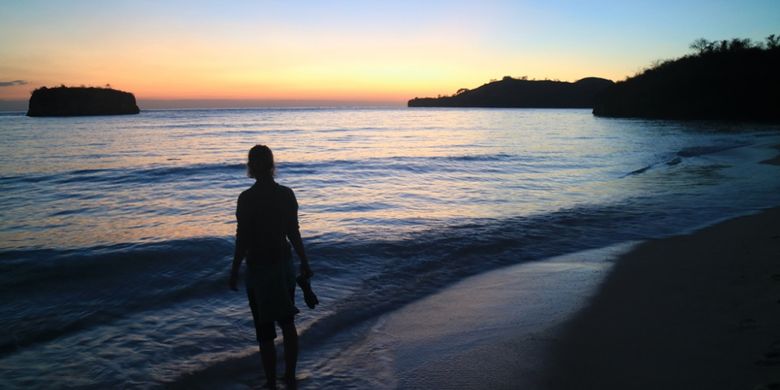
(370, 51)
(157, 74)
(164, 76)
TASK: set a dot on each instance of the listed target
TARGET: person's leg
(268, 355)
(290, 335)
(265, 333)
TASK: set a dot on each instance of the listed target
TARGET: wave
(124, 176)
(479, 157)
(187, 172)
(380, 166)
(693, 151)
(78, 288)
(75, 289)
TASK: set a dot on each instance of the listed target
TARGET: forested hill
(511, 92)
(734, 80)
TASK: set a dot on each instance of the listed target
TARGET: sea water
(116, 233)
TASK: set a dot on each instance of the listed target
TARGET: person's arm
(294, 235)
(240, 251)
(297, 244)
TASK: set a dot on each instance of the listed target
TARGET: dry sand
(700, 311)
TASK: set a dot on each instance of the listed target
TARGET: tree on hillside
(772, 42)
(704, 46)
(701, 45)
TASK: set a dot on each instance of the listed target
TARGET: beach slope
(700, 311)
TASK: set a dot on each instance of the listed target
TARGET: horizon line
(14, 105)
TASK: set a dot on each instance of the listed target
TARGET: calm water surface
(116, 232)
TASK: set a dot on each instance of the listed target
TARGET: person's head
(261, 162)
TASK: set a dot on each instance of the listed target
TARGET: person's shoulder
(246, 194)
(285, 193)
(285, 190)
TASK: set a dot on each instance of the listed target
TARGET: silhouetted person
(267, 215)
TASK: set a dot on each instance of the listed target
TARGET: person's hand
(233, 284)
(306, 271)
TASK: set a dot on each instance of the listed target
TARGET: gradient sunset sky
(371, 51)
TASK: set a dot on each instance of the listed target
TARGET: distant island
(77, 101)
(732, 80)
(523, 93)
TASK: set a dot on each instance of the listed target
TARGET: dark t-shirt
(267, 213)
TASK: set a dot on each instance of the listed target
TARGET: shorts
(265, 330)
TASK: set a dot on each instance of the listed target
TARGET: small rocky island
(523, 93)
(729, 79)
(78, 101)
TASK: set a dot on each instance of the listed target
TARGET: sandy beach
(696, 311)
(693, 311)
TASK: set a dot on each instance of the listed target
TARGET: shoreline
(486, 331)
(710, 318)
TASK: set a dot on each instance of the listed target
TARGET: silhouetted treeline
(75, 101)
(515, 93)
(728, 79)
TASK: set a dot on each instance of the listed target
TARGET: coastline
(709, 318)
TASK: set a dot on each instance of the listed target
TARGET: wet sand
(490, 331)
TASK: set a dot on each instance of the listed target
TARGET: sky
(350, 51)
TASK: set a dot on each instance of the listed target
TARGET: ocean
(116, 233)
